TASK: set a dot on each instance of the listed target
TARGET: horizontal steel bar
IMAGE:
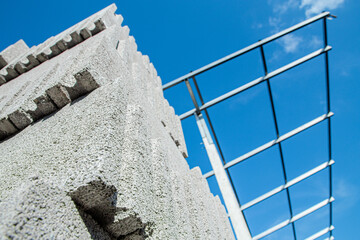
(320, 233)
(187, 114)
(246, 49)
(258, 80)
(293, 219)
(287, 185)
(273, 142)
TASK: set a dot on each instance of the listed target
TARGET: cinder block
(85, 33)
(85, 83)
(44, 106)
(6, 128)
(20, 119)
(59, 95)
(96, 27)
(9, 73)
(12, 52)
(2, 80)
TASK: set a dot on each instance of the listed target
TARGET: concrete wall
(91, 149)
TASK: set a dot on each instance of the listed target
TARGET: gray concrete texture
(91, 149)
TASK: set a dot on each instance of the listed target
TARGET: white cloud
(274, 22)
(283, 7)
(290, 43)
(315, 42)
(313, 7)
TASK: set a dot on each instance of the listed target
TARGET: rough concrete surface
(90, 149)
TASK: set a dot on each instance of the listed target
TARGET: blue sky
(181, 36)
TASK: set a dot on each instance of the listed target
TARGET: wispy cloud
(315, 42)
(313, 7)
(283, 7)
(345, 190)
(346, 195)
(290, 43)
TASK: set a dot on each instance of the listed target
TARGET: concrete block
(200, 228)
(181, 138)
(44, 107)
(165, 219)
(6, 128)
(85, 83)
(9, 73)
(42, 57)
(41, 210)
(217, 219)
(53, 46)
(96, 27)
(73, 39)
(61, 45)
(20, 119)
(181, 206)
(85, 33)
(226, 227)
(2, 80)
(59, 95)
(203, 193)
(20, 68)
(30, 62)
(12, 52)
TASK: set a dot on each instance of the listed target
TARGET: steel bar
(277, 136)
(216, 139)
(257, 81)
(192, 96)
(320, 233)
(274, 142)
(293, 219)
(246, 49)
(237, 218)
(209, 121)
(327, 76)
(287, 185)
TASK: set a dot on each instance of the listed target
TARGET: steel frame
(213, 148)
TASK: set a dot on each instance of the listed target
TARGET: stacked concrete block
(11, 52)
(22, 59)
(90, 149)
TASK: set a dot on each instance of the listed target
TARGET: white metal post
(237, 218)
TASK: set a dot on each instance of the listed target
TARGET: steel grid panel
(221, 167)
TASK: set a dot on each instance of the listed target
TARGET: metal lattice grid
(221, 167)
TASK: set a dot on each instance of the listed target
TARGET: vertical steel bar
(208, 118)
(226, 186)
(216, 139)
(237, 218)
(327, 76)
(278, 135)
(192, 96)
